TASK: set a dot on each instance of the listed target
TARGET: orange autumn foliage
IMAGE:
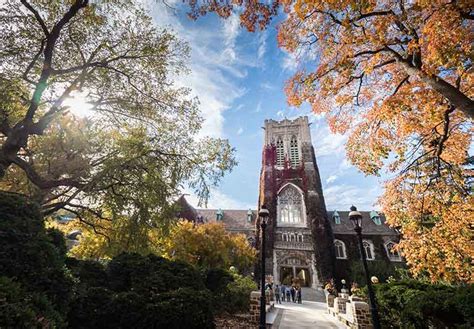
(397, 77)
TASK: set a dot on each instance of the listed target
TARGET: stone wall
(255, 304)
(352, 311)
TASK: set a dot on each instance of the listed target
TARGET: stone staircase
(313, 295)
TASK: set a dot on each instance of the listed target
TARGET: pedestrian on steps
(298, 295)
(277, 294)
(283, 291)
(288, 294)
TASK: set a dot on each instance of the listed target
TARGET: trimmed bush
(151, 274)
(19, 309)
(31, 256)
(415, 304)
(381, 269)
(136, 291)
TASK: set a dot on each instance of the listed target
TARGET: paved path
(309, 314)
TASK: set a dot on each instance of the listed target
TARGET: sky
(239, 79)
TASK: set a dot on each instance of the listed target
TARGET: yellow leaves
(208, 245)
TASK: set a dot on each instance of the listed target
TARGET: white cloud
(331, 179)
(215, 63)
(240, 131)
(262, 45)
(341, 197)
(218, 199)
(289, 62)
(267, 85)
(259, 107)
(326, 143)
(231, 31)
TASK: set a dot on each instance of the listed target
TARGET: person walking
(298, 295)
(283, 291)
(277, 295)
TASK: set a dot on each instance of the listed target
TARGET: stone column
(314, 273)
(276, 275)
(255, 306)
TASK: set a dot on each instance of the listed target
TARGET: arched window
(280, 153)
(292, 236)
(336, 217)
(340, 249)
(290, 206)
(369, 250)
(392, 254)
(294, 152)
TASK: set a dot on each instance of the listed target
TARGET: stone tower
(300, 241)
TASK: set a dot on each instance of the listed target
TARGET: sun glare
(78, 105)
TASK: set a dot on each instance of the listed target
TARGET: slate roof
(234, 219)
(368, 225)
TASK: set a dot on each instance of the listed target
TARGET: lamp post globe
(263, 215)
(356, 219)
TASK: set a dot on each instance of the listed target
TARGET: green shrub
(92, 309)
(381, 269)
(151, 274)
(88, 273)
(415, 304)
(103, 308)
(19, 309)
(30, 255)
(239, 293)
(135, 291)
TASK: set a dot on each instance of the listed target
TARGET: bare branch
(37, 16)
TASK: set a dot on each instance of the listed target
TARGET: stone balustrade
(294, 245)
(352, 311)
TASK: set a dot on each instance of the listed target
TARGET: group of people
(288, 293)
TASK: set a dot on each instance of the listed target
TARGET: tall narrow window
(340, 249)
(369, 250)
(294, 152)
(280, 153)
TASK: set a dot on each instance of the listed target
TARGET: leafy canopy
(128, 159)
(208, 246)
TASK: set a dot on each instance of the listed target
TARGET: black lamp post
(356, 219)
(263, 214)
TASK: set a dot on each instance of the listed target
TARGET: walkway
(310, 314)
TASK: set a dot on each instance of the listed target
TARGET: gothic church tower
(300, 241)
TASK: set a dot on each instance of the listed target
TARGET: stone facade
(299, 234)
(304, 240)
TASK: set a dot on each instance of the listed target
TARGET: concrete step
(313, 295)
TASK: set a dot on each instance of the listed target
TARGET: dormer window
(280, 153)
(375, 217)
(249, 215)
(336, 217)
(294, 152)
(219, 215)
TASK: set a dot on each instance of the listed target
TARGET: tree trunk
(457, 99)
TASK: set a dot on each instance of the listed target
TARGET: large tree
(138, 148)
(397, 76)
